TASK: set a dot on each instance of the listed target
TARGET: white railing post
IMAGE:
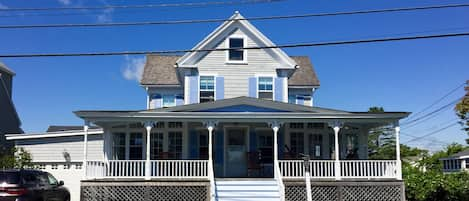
(148, 126)
(397, 128)
(336, 126)
(210, 126)
(85, 150)
(277, 174)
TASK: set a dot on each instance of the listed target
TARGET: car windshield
(9, 177)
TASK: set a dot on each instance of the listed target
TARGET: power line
(433, 112)
(432, 133)
(245, 48)
(225, 20)
(431, 140)
(440, 99)
(193, 4)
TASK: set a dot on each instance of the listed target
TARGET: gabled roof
(234, 22)
(5, 69)
(160, 70)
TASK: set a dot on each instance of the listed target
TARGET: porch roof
(241, 109)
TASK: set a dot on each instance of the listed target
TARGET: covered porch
(239, 138)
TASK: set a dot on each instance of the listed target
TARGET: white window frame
(245, 51)
(214, 85)
(273, 85)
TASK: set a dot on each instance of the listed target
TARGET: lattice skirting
(145, 191)
(346, 191)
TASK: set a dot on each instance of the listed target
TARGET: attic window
(236, 54)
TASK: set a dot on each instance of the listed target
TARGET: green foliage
(381, 141)
(432, 184)
(16, 158)
(462, 110)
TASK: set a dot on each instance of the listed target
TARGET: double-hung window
(136, 146)
(234, 53)
(169, 100)
(207, 89)
(265, 88)
(119, 146)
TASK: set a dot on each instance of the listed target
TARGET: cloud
(133, 69)
(105, 16)
(65, 2)
(3, 6)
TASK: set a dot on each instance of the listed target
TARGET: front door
(236, 152)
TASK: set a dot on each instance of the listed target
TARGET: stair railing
(278, 178)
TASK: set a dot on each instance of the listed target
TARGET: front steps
(247, 190)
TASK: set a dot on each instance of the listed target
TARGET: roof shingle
(160, 70)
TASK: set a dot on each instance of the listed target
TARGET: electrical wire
(331, 43)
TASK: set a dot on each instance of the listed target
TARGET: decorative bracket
(212, 124)
(274, 124)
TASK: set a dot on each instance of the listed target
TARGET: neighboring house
(9, 120)
(247, 114)
(456, 163)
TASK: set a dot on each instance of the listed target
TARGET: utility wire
(245, 48)
(192, 4)
(225, 20)
(433, 112)
(432, 133)
(440, 99)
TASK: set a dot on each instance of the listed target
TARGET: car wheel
(67, 198)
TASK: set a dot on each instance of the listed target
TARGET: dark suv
(31, 185)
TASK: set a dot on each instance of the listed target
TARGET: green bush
(433, 185)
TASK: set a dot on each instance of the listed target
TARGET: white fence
(348, 169)
(136, 169)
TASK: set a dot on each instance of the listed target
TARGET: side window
(42, 178)
(265, 88)
(52, 180)
(169, 100)
(29, 179)
(207, 89)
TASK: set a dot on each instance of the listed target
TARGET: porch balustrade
(136, 169)
(358, 169)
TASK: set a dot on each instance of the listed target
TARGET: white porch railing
(348, 169)
(136, 169)
(318, 168)
(179, 168)
(368, 169)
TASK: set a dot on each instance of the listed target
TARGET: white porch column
(336, 126)
(210, 144)
(275, 127)
(148, 126)
(85, 149)
(397, 128)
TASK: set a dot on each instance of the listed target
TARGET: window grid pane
(237, 54)
(175, 145)
(207, 83)
(169, 100)
(136, 146)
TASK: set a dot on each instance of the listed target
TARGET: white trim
(245, 52)
(186, 90)
(52, 134)
(214, 75)
(273, 84)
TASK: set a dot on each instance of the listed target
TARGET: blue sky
(399, 76)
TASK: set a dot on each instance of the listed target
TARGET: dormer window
(236, 55)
